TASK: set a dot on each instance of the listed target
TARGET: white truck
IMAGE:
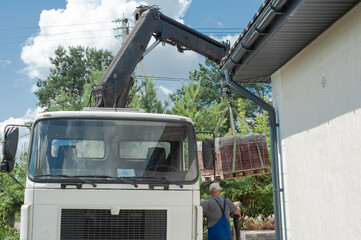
(114, 173)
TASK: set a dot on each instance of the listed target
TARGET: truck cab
(112, 175)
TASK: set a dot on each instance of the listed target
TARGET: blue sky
(30, 30)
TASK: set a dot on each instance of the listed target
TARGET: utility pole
(123, 27)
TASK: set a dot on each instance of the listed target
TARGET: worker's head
(215, 190)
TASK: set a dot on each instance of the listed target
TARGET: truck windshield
(109, 150)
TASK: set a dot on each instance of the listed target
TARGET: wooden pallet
(239, 174)
(247, 173)
(210, 178)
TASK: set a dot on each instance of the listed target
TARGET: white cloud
(231, 38)
(166, 61)
(28, 116)
(163, 93)
(23, 132)
(34, 88)
(4, 63)
(165, 90)
(86, 23)
(172, 8)
(31, 114)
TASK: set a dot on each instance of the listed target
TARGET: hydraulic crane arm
(113, 89)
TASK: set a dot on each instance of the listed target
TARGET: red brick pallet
(248, 158)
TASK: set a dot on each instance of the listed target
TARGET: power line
(55, 26)
(78, 38)
(77, 24)
(223, 35)
(109, 22)
(58, 40)
(219, 28)
(166, 79)
(213, 31)
(24, 135)
(220, 32)
(55, 34)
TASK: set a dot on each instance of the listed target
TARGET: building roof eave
(278, 31)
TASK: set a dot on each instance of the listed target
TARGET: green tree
(254, 193)
(144, 96)
(210, 90)
(213, 90)
(64, 87)
(11, 198)
(72, 103)
(204, 119)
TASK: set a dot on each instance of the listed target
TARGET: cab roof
(112, 114)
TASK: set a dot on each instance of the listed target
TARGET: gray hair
(214, 186)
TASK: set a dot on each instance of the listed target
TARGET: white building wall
(317, 96)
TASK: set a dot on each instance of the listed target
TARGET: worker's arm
(238, 211)
(234, 207)
(205, 205)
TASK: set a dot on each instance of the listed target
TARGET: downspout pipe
(258, 29)
(273, 141)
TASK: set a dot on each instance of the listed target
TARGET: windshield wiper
(63, 185)
(165, 181)
(119, 179)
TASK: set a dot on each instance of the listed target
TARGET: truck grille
(100, 224)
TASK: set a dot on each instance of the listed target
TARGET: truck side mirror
(10, 146)
(208, 154)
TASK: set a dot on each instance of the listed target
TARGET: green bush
(11, 199)
(7, 232)
(254, 193)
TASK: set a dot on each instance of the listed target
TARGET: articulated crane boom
(113, 89)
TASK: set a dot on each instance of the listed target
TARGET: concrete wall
(317, 96)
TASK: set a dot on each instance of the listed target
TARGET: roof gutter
(244, 45)
(274, 159)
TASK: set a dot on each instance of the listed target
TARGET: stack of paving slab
(251, 159)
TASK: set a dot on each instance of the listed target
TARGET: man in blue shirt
(218, 211)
